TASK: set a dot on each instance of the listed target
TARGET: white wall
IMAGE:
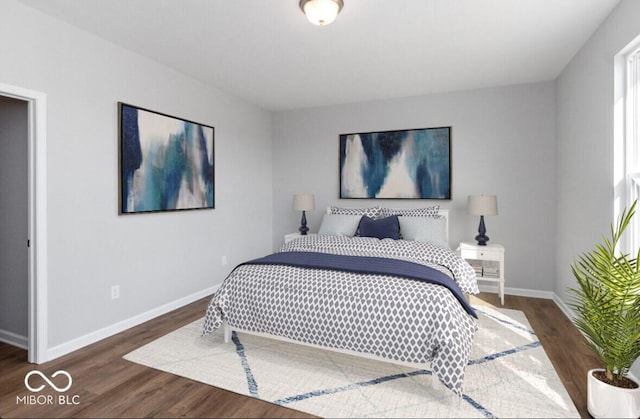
(503, 142)
(13, 220)
(155, 258)
(585, 119)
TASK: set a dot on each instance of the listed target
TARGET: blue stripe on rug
(511, 351)
(503, 321)
(480, 408)
(251, 381)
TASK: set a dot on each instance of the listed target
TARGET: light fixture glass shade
(304, 202)
(321, 12)
(482, 204)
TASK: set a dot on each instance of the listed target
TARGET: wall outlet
(224, 260)
(115, 292)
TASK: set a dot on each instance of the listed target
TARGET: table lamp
(304, 202)
(482, 205)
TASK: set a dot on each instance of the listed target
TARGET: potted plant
(607, 312)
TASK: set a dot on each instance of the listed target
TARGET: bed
(400, 298)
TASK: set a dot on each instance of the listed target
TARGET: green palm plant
(607, 302)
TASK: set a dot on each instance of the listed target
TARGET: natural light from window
(627, 137)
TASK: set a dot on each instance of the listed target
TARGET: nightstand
(487, 261)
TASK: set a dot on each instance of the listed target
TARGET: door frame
(37, 218)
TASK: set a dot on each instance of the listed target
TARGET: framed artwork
(406, 164)
(165, 163)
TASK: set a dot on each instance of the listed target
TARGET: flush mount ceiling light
(321, 12)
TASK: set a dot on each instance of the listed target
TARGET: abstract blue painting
(166, 163)
(406, 164)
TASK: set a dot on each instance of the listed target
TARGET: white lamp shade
(321, 12)
(482, 204)
(304, 202)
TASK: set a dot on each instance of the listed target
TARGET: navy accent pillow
(382, 228)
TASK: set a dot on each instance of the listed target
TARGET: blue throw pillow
(383, 228)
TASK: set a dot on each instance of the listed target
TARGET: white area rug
(509, 374)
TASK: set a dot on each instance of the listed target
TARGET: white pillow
(424, 229)
(339, 225)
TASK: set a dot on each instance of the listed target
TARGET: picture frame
(401, 164)
(166, 163)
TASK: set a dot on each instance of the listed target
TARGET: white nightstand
(487, 261)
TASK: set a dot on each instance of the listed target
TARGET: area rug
(509, 374)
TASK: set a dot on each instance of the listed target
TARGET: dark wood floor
(108, 386)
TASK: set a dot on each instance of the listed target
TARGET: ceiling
(266, 52)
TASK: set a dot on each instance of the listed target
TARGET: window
(632, 142)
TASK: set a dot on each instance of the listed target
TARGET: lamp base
(482, 238)
(303, 225)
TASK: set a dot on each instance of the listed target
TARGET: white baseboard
(564, 307)
(548, 295)
(14, 339)
(75, 344)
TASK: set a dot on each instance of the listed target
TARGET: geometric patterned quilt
(388, 316)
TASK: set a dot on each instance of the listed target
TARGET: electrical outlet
(224, 260)
(115, 292)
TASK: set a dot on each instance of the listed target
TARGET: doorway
(14, 207)
(27, 120)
